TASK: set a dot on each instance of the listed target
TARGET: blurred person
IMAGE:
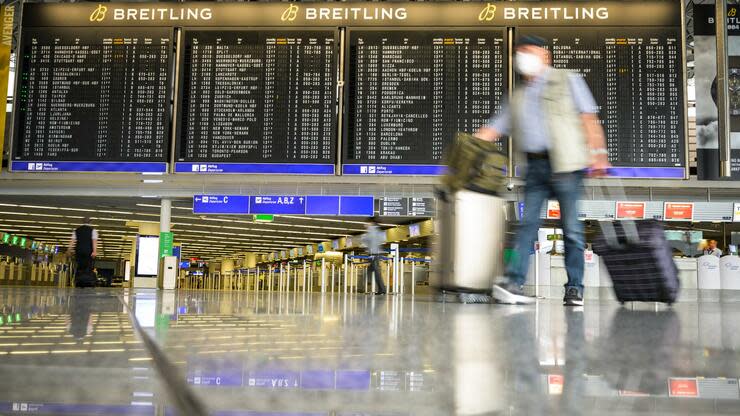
(712, 250)
(553, 119)
(84, 244)
(374, 239)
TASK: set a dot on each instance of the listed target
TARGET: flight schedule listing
(94, 95)
(410, 92)
(635, 75)
(252, 97)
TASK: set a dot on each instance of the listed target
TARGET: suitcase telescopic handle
(607, 227)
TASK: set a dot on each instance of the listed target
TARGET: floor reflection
(239, 353)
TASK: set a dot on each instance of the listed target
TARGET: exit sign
(264, 217)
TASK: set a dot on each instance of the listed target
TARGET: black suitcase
(639, 261)
(85, 279)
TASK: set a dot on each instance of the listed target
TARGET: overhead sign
(406, 207)
(359, 206)
(555, 13)
(422, 207)
(277, 204)
(262, 205)
(393, 207)
(220, 204)
(674, 211)
(553, 210)
(630, 210)
(736, 215)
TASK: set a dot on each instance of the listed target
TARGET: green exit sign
(264, 217)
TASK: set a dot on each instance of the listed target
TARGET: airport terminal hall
(370, 208)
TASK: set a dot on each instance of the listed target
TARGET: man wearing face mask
(553, 119)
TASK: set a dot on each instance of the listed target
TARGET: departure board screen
(636, 77)
(262, 97)
(410, 92)
(97, 95)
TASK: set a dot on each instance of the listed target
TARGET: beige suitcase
(470, 244)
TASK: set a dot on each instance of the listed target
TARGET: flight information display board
(409, 92)
(258, 102)
(636, 77)
(93, 99)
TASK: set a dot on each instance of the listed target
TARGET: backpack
(475, 164)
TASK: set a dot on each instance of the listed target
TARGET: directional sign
(322, 205)
(277, 204)
(356, 206)
(421, 207)
(674, 211)
(220, 204)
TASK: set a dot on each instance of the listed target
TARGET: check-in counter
(687, 272)
(708, 276)
(553, 272)
(729, 267)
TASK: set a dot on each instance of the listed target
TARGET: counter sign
(630, 210)
(673, 211)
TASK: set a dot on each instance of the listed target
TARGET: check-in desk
(553, 275)
(729, 269)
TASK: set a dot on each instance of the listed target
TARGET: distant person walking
(84, 243)
(553, 119)
(712, 249)
(373, 240)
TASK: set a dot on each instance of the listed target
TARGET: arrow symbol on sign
(301, 200)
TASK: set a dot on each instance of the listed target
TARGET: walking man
(553, 119)
(84, 243)
(374, 239)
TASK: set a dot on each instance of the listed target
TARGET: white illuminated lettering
(588, 13)
(537, 14)
(206, 14)
(555, 11)
(193, 14)
(324, 13)
(567, 16)
(386, 14)
(509, 13)
(144, 14)
(602, 13)
(131, 14)
(119, 14)
(336, 14)
(523, 14)
(401, 13)
(311, 14)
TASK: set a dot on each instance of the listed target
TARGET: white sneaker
(511, 295)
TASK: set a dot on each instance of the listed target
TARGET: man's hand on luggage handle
(488, 134)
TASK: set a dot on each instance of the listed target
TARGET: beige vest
(569, 150)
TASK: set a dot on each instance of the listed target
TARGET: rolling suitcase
(639, 261)
(85, 279)
(470, 247)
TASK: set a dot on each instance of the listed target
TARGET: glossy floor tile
(239, 353)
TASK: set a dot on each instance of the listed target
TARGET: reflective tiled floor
(79, 352)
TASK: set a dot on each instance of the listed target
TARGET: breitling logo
(290, 13)
(98, 14)
(488, 13)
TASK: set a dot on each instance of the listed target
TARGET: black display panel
(410, 91)
(258, 97)
(99, 95)
(636, 77)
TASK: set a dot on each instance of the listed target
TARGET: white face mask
(528, 64)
